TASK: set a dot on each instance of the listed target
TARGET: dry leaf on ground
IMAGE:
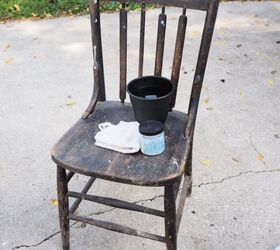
(70, 103)
(207, 163)
(54, 202)
(242, 93)
(260, 156)
(9, 61)
(206, 100)
(270, 82)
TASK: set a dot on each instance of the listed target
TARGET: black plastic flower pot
(150, 97)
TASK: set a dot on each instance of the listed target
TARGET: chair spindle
(123, 51)
(178, 53)
(142, 39)
(160, 42)
(98, 73)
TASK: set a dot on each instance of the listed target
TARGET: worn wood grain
(76, 150)
(160, 42)
(123, 51)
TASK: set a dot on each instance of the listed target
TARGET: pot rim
(143, 98)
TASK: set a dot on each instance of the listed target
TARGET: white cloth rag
(123, 137)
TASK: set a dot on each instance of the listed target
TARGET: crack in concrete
(154, 198)
(237, 175)
(35, 245)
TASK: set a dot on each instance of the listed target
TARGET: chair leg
(63, 206)
(189, 172)
(170, 217)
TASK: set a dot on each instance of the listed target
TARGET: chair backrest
(209, 6)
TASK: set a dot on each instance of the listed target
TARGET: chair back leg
(63, 206)
(170, 217)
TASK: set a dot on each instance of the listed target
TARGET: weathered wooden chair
(76, 152)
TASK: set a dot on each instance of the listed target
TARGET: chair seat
(76, 150)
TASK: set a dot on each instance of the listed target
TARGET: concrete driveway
(46, 83)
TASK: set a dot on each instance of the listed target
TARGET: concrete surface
(45, 65)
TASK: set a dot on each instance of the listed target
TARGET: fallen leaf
(17, 8)
(207, 163)
(242, 93)
(260, 156)
(273, 72)
(206, 100)
(258, 53)
(54, 202)
(8, 46)
(71, 103)
(9, 61)
(270, 82)
(238, 45)
(210, 108)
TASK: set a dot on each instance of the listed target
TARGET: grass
(18, 9)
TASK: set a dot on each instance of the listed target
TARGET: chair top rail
(189, 4)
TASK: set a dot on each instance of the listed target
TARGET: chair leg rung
(117, 203)
(77, 202)
(116, 228)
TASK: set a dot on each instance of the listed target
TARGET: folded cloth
(123, 137)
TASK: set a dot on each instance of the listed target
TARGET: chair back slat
(123, 51)
(97, 48)
(178, 53)
(209, 6)
(142, 40)
(160, 42)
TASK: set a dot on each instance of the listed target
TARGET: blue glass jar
(152, 137)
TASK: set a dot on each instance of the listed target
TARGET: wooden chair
(76, 152)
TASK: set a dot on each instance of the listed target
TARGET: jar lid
(150, 127)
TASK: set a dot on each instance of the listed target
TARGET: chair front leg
(170, 217)
(63, 206)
